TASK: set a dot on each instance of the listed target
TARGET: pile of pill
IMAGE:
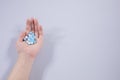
(30, 38)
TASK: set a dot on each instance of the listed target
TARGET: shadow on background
(12, 56)
(44, 58)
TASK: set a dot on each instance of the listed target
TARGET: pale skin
(26, 53)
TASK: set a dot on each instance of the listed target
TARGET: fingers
(32, 25)
(22, 35)
(36, 27)
(40, 31)
(28, 25)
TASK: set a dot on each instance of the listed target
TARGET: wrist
(25, 57)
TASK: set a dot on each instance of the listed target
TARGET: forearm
(22, 68)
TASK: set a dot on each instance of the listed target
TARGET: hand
(30, 50)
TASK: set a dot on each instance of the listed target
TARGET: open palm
(22, 46)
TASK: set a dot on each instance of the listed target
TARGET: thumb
(22, 35)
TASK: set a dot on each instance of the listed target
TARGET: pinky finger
(40, 31)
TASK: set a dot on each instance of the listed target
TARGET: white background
(81, 38)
